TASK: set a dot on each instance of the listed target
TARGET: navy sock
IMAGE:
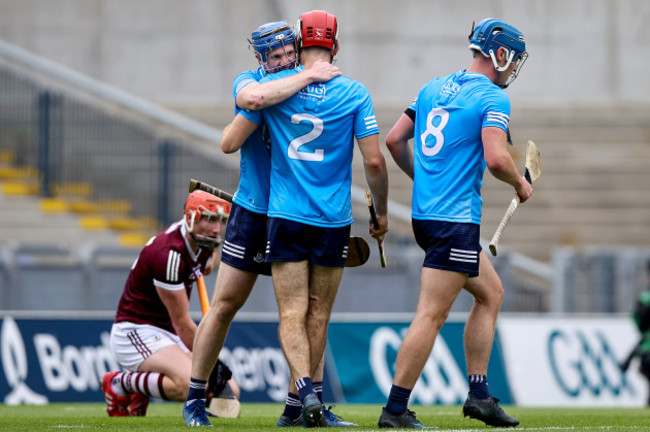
(305, 388)
(197, 390)
(478, 386)
(292, 407)
(398, 400)
(318, 388)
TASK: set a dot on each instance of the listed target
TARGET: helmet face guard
(520, 62)
(491, 34)
(269, 37)
(318, 28)
(200, 205)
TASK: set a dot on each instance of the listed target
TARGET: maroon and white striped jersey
(168, 262)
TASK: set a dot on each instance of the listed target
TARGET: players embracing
(274, 45)
(312, 141)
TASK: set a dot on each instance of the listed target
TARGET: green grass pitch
(59, 417)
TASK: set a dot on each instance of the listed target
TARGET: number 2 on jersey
(435, 131)
(314, 133)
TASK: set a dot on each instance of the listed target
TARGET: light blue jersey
(450, 113)
(312, 134)
(255, 157)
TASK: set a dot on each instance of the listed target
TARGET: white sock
(147, 383)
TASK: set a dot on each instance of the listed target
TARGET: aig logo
(585, 364)
(315, 91)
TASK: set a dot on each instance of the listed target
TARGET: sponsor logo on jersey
(314, 92)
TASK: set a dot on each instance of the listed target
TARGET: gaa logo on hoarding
(583, 362)
(442, 380)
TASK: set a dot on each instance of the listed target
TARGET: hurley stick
(195, 184)
(375, 223)
(358, 250)
(532, 172)
(225, 404)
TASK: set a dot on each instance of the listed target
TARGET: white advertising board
(564, 361)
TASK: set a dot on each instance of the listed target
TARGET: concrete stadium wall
(186, 52)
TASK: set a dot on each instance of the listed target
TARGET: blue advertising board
(53, 360)
(63, 360)
(364, 357)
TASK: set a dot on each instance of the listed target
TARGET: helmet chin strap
(496, 64)
(189, 226)
(204, 242)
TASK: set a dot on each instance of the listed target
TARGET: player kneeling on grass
(153, 332)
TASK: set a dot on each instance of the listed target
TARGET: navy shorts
(245, 242)
(449, 245)
(291, 241)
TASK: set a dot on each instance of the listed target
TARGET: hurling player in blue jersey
(242, 257)
(459, 125)
(312, 138)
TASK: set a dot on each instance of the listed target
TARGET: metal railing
(82, 149)
(86, 139)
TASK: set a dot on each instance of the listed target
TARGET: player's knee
(320, 316)
(433, 317)
(293, 313)
(494, 297)
(499, 294)
(226, 311)
(179, 388)
(491, 299)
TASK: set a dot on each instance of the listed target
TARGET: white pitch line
(63, 426)
(547, 428)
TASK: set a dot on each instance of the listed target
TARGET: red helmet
(318, 28)
(202, 204)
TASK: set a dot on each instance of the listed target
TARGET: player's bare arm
(500, 163)
(397, 142)
(377, 178)
(178, 307)
(235, 134)
(256, 96)
(214, 262)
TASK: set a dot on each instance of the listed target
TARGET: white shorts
(133, 343)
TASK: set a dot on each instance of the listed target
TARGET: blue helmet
(268, 37)
(491, 34)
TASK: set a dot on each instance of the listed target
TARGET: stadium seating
(594, 186)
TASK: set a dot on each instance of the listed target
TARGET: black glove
(626, 363)
(218, 378)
